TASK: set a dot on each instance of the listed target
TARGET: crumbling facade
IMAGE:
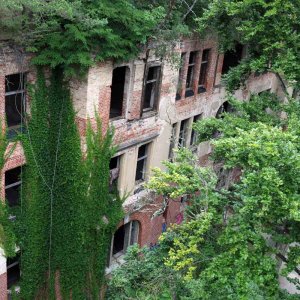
(152, 106)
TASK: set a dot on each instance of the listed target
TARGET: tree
(236, 234)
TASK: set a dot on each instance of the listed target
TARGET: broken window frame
(114, 173)
(15, 262)
(189, 84)
(131, 227)
(173, 141)
(156, 90)
(125, 93)
(145, 161)
(183, 133)
(18, 183)
(15, 129)
(204, 68)
(194, 135)
(180, 81)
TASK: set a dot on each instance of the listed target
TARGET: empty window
(172, 141)
(190, 74)
(232, 58)
(14, 101)
(124, 237)
(12, 186)
(151, 89)
(224, 108)
(118, 92)
(183, 133)
(180, 79)
(203, 71)
(114, 169)
(141, 162)
(13, 271)
(194, 133)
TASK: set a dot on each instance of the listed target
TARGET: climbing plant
(67, 214)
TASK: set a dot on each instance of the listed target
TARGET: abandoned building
(152, 106)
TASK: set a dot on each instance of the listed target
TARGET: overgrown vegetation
(67, 214)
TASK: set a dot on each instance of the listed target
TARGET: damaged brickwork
(159, 105)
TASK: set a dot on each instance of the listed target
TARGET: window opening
(114, 170)
(224, 108)
(194, 134)
(232, 58)
(151, 88)
(14, 102)
(183, 133)
(180, 77)
(172, 141)
(141, 162)
(202, 84)
(190, 74)
(117, 92)
(125, 236)
(12, 186)
(13, 270)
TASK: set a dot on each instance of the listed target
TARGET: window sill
(148, 113)
(189, 93)
(116, 118)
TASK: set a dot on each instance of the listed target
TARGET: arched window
(225, 107)
(125, 236)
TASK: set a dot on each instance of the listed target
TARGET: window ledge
(148, 114)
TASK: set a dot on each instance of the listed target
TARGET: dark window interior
(12, 186)
(232, 58)
(151, 88)
(142, 151)
(14, 99)
(225, 107)
(203, 71)
(190, 72)
(13, 271)
(141, 161)
(14, 82)
(194, 133)
(119, 240)
(117, 92)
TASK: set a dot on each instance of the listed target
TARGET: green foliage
(144, 276)
(266, 108)
(67, 214)
(234, 236)
(270, 29)
(102, 225)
